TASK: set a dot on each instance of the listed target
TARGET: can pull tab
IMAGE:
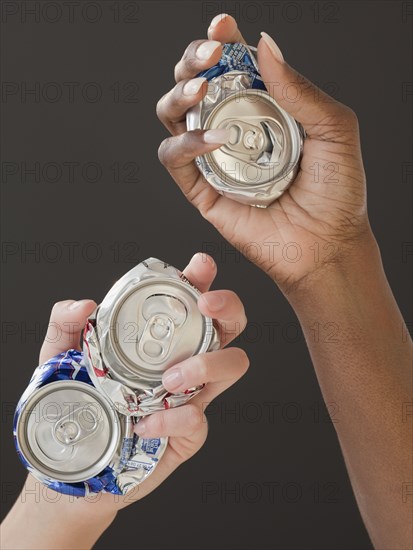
(163, 315)
(76, 426)
(260, 140)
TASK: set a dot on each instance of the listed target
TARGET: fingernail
(213, 301)
(140, 427)
(206, 259)
(217, 19)
(206, 49)
(172, 379)
(273, 47)
(78, 304)
(193, 86)
(217, 136)
(75, 305)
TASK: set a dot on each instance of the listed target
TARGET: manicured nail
(217, 19)
(206, 49)
(273, 47)
(213, 301)
(193, 86)
(172, 379)
(220, 135)
(140, 427)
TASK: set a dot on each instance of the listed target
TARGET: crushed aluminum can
(70, 437)
(261, 158)
(147, 322)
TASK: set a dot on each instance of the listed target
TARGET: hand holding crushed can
(237, 117)
(99, 421)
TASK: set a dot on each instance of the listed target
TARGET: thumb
(318, 112)
(65, 327)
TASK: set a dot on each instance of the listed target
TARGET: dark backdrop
(80, 85)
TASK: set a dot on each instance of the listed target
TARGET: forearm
(362, 355)
(44, 519)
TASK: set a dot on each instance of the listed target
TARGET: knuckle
(160, 107)
(194, 44)
(205, 422)
(243, 359)
(244, 319)
(243, 322)
(202, 367)
(190, 141)
(236, 300)
(177, 70)
(351, 117)
(193, 417)
(189, 57)
(163, 151)
(179, 100)
(233, 296)
(158, 423)
(173, 150)
(187, 63)
(348, 116)
(305, 87)
(191, 64)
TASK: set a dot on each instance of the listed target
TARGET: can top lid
(156, 324)
(68, 431)
(264, 140)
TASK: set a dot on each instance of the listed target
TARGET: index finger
(201, 271)
(202, 54)
(199, 56)
(65, 327)
(224, 28)
(226, 308)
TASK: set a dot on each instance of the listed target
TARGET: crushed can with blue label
(74, 423)
(70, 437)
(261, 158)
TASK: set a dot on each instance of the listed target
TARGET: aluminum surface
(147, 322)
(262, 156)
(71, 438)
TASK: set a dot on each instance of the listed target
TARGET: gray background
(357, 50)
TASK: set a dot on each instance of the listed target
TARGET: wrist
(350, 304)
(349, 272)
(68, 521)
(96, 508)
